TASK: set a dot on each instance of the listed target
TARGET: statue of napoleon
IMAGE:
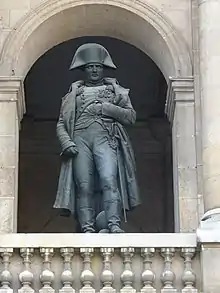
(98, 174)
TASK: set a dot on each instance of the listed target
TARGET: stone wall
(177, 12)
(167, 22)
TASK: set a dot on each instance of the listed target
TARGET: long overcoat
(127, 183)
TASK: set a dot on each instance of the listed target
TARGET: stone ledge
(138, 240)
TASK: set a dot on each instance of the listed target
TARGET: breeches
(95, 156)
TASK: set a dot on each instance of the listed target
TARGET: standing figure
(98, 168)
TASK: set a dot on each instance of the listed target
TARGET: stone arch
(56, 21)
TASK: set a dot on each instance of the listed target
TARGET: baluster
(127, 277)
(26, 277)
(47, 276)
(87, 276)
(67, 275)
(6, 276)
(189, 277)
(168, 275)
(148, 276)
(107, 276)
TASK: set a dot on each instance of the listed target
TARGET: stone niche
(39, 163)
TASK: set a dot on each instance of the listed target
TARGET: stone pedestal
(180, 112)
(11, 111)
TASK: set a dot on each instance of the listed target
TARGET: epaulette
(65, 97)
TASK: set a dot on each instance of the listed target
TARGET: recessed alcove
(39, 161)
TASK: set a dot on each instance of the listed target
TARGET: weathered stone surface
(210, 256)
(7, 206)
(123, 20)
(7, 181)
(188, 214)
(8, 115)
(13, 4)
(7, 150)
(16, 15)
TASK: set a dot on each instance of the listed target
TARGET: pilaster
(180, 110)
(12, 108)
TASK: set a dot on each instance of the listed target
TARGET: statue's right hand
(70, 152)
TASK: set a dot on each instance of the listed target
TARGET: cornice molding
(183, 85)
(13, 85)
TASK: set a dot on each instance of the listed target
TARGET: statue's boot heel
(87, 219)
(116, 229)
(113, 216)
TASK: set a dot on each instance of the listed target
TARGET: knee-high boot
(113, 215)
(86, 215)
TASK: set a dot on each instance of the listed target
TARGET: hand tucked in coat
(71, 151)
(96, 108)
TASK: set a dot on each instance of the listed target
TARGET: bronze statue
(98, 175)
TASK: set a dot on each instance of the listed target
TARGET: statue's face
(94, 72)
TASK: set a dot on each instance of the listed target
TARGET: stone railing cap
(137, 240)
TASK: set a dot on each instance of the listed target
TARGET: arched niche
(135, 22)
(45, 84)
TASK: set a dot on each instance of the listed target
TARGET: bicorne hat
(91, 53)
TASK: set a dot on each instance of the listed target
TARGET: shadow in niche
(39, 164)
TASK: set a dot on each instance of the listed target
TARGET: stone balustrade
(89, 263)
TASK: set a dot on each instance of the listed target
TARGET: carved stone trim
(26, 276)
(47, 276)
(31, 21)
(168, 276)
(6, 276)
(67, 277)
(178, 85)
(13, 85)
(107, 275)
(188, 277)
(148, 276)
(127, 276)
(87, 276)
